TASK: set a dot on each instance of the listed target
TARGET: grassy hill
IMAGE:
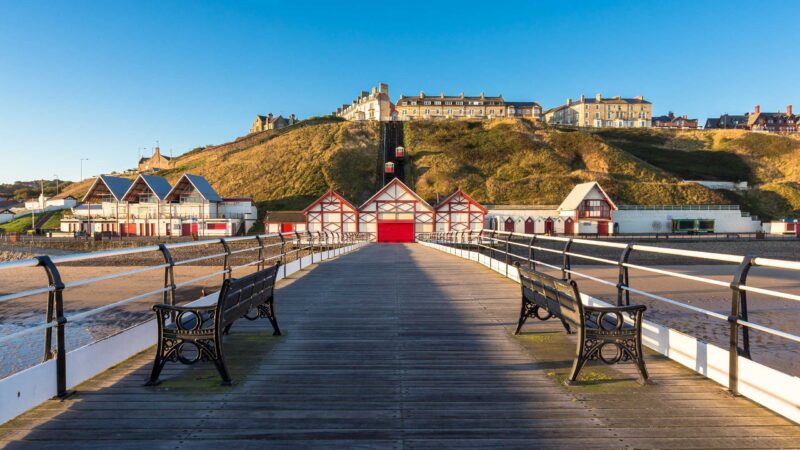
(502, 161)
(287, 169)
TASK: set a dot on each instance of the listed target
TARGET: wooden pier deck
(399, 346)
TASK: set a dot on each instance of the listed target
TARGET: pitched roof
(463, 194)
(335, 194)
(159, 186)
(285, 217)
(402, 186)
(61, 196)
(200, 184)
(115, 186)
(11, 204)
(579, 193)
(522, 104)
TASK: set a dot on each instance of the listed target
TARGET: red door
(569, 227)
(509, 225)
(287, 227)
(602, 228)
(186, 229)
(549, 226)
(529, 226)
(395, 231)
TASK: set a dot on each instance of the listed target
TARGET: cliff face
(502, 161)
(513, 161)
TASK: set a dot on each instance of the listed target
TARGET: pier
(399, 346)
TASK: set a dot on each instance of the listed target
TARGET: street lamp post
(82, 160)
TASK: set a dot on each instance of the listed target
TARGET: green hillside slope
(511, 161)
(502, 161)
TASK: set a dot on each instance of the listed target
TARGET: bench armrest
(613, 309)
(163, 307)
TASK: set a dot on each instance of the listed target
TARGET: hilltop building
(773, 122)
(463, 107)
(600, 112)
(150, 206)
(374, 105)
(727, 122)
(270, 122)
(155, 163)
(674, 122)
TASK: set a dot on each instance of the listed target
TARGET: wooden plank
(398, 346)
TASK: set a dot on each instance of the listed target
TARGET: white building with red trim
(150, 206)
(394, 214)
(586, 210)
(459, 212)
(589, 210)
(333, 213)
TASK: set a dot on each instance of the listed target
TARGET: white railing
(62, 369)
(770, 387)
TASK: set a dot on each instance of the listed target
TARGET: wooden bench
(545, 297)
(190, 334)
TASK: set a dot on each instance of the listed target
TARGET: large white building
(589, 210)
(374, 105)
(150, 206)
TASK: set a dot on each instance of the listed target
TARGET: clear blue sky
(100, 80)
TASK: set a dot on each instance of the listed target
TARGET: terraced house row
(150, 206)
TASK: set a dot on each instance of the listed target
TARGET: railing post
(299, 251)
(169, 275)
(491, 248)
(531, 243)
(623, 280)
(226, 259)
(282, 257)
(260, 241)
(565, 266)
(55, 312)
(738, 311)
(508, 240)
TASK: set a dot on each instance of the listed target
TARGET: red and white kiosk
(332, 213)
(395, 213)
(459, 212)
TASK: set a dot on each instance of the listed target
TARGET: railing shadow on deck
(732, 368)
(62, 368)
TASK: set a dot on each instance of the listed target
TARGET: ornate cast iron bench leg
(524, 314)
(269, 313)
(219, 361)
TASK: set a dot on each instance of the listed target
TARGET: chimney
(671, 115)
(788, 110)
(685, 117)
(383, 88)
(583, 98)
(441, 94)
(598, 97)
(462, 94)
(374, 90)
(639, 97)
(569, 101)
(421, 94)
(482, 95)
(757, 109)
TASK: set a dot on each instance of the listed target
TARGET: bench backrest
(561, 296)
(239, 295)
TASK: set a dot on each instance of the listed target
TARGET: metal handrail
(496, 244)
(58, 320)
